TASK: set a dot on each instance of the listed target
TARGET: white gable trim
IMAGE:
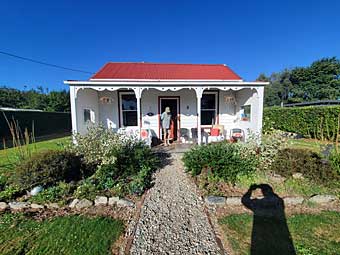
(164, 83)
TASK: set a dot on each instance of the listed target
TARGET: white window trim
(216, 106)
(121, 108)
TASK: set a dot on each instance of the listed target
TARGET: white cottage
(132, 96)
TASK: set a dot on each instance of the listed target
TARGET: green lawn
(71, 235)
(8, 156)
(311, 234)
(315, 145)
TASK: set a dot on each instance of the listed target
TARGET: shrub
(271, 143)
(96, 145)
(135, 163)
(55, 193)
(86, 189)
(334, 158)
(223, 160)
(49, 167)
(120, 159)
(10, 192)
(305, 161)
(312, 122)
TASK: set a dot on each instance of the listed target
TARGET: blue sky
(249, 36)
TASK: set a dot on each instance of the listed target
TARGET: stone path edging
(319, 200)
(76, 204)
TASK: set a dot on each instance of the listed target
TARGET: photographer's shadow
(270, 233)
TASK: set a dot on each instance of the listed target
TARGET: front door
(173, 104)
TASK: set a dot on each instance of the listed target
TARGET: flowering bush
(272, 142)
(120, 158)
(96, 145)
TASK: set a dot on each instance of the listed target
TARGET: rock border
(288, 201)
(76, 204)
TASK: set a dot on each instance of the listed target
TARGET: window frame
(121, 111)
(89, 115)
(216, 107)
(242, 108)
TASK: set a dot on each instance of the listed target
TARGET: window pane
(129, 102)
(87, 115)
(208, 117)
(130, 118)
(245, 112)
(208, 101)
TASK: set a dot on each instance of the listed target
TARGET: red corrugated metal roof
(156, 71)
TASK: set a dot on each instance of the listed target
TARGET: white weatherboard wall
(149, 103)
(248, 97)
(86, 99)
(227, 111)
(108, 112)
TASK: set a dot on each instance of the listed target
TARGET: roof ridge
(158, 63)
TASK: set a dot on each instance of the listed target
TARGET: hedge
(320, 122)
(45, 123)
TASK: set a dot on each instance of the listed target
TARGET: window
(245, 112)
(87, 115)
(208, 108)
(128, 109)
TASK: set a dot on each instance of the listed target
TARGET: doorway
(173, 104)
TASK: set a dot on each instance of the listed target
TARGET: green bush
(134, 162)
(222, 160)
(49, 167)
(305, 161)
(311, 122)
(96, 145)
(87, 189)
(120, 160)
(55, 193)
(10, 192)
(334, 158)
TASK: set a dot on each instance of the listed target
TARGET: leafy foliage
(55, 101)
(9, 192)
(320, 80)
(124, 164)
(312, 122)
(55, 193)
(49, 167)
(96, 145)
(307, 162)
(334, 158)
(222, 160)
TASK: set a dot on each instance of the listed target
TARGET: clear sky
(249, 36)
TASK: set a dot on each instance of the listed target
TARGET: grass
(311, 234)
(312, 144)
(290, 186)
(8, 156)
(76, 235)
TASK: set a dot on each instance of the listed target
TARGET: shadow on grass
(270, 233)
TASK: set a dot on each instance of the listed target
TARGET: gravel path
(172, 219)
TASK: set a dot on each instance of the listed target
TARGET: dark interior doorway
(173, 103)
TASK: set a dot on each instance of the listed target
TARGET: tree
(319, 81)
(38, 98)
